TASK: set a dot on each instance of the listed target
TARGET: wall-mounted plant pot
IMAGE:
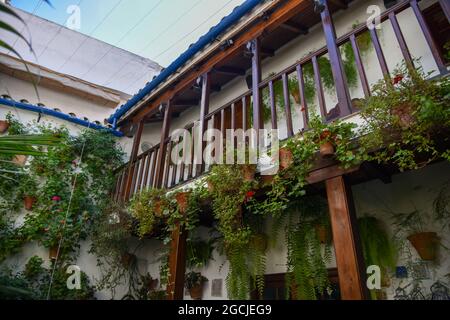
(248, 172)
(322, 234)
(196, 292)
(4, 126)
(426, 244)
(53, 252)
(182, 200)
(29, 202)
(286, 158)
(327, 150)
(19, 160)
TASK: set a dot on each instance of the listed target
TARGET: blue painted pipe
(56, 114)
(212, 35)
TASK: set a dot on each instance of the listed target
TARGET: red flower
(249, 195)
(303, 109)
(56, 198)
(398, 78)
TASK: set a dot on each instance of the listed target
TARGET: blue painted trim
(57, 114)
(212, 35)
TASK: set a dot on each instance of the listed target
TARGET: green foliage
(407, 120)
(441, 205)
(198, 253)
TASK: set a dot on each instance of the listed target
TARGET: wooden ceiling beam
(295, 27)
(285, 11)
(232, 71)
(341, 4)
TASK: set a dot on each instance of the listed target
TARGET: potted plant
(198, 253)
(20, 160)
(248, 172)
(412, 224)
(326, 140)
(194, 283)
(28, 191)
(4, 125)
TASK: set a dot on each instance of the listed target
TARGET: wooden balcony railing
(142, 172)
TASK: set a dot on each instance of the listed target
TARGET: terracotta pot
(322, 234)
(4, 126)
(248, 172)
(286, 158)
(182, 200)
(426, 244)
(53, 253)
(210, 186)
(29, 202)
(327, 150)
(196, 292)
(20, 160)
(267, 180)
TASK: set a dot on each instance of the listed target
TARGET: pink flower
(56, 198)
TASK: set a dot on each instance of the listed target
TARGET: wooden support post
(337, 68)
(159, 172)
(346, 240)
(177, 264)
(203, 123)
(133, 156)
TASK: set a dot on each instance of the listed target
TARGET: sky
(156, 29)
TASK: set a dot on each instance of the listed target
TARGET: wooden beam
(346, 240)
(445, 4)
(337, 68)
(339, 3)
(295, 27)
(159, 171)
(185, 103)
(232, 71)
(284, 12)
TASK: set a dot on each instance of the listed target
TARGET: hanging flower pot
(29, 202)
(182, 200)
(53, 252)
(19, 160)
(4, 126)
(196, 292)
(426, 244)
(248, 172)
(158, 208)
(327, 150)
(286, 158)
(267, 179)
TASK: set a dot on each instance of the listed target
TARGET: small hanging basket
(426, 244)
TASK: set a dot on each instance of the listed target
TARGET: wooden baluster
(183, 162)
(162, 148)
(258, 124)
(429, 37)
(141, 172)
(337, 68)
(233, 117)
(319, 87)
(273, 107)
(133, 156)
(192, 154)
(204, 110)
(401, 40)
(152, 182)
(287, 105)
(134, 180)
(167, 165)
(379, 52)
(147, 168)
(304, 104)
(360, 66)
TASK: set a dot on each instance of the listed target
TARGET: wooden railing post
(346, 240)
(177, 264)
(133, 156)
(337, 68)
(159, 172)
(205, 81)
